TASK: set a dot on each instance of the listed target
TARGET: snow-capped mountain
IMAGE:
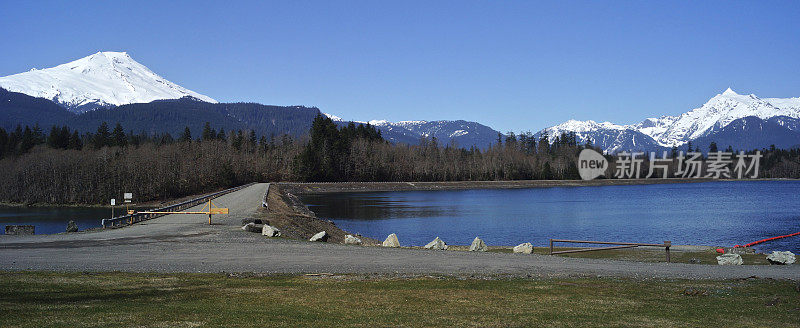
(102, 79)
(460, 133)
(676, 131)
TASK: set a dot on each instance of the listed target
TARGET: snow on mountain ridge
(673, 131)
(104, 78)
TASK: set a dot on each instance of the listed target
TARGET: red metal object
(767, 239)
(721, 250)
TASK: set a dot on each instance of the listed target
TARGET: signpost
(113, 202)
(127, 199)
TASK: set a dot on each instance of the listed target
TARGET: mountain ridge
(677, 131)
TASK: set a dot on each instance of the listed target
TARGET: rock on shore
(478, 246)
(391, 241)
(352, 240)
(320, 236)
(253, 227)
(781, 258)
(72, 226)
(525, 248)
(729, 259)
(270, 231)
(437, 244)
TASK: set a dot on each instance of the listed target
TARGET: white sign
(113, 202)
(128, 197)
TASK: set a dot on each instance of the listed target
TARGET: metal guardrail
(666, 246)
(264, 201)
(129, 219)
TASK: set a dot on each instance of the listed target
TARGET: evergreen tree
(186, 136)
(547, 172)
(237, 140)
(3, 142)
(103, 137)
(75, 141)
(27, 141)
(208, 132)
(118, 137)
(544, 144)
(38, 135)
(712, 148)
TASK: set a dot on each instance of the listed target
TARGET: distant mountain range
(112, 87)
(728, 119)
(458, 133)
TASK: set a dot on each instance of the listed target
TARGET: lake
(711, 213)
(48, 220)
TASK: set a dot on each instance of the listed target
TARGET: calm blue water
(713, 213)
(49, 220)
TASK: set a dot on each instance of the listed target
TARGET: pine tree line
(65, 167)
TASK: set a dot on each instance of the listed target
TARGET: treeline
(66, 167)
(155, 167)
(21, 140)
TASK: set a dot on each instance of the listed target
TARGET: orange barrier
(768, 239)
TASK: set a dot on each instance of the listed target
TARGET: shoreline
(327, 187)
(299, 188)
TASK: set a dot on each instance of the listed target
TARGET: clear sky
(515, 66)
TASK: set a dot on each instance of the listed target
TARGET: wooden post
(667, 244)
(551, 247)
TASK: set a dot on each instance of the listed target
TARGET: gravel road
(186, 243)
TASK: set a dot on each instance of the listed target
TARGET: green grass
(35, 299)
(643, 255)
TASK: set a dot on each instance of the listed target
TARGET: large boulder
(252, 227)
(729, 259)
(252, 220)
(478, 246)
(320, 236)
(72, 226)
(525, 248)
(352, 240)
(436, 244)
(391, 241)
(270, 231)
(20, 229)
(781, 258)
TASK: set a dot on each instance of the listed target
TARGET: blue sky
(515, 66)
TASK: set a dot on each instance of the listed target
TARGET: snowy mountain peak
(101, 79)
(673, 131)
(729, 92)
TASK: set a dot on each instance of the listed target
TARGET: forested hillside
(61, 166)
(157, 117)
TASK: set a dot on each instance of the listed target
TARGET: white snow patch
(333, 117)
(458, 133)
(105, 78)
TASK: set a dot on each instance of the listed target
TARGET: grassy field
(34, 299)
(705, 256)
